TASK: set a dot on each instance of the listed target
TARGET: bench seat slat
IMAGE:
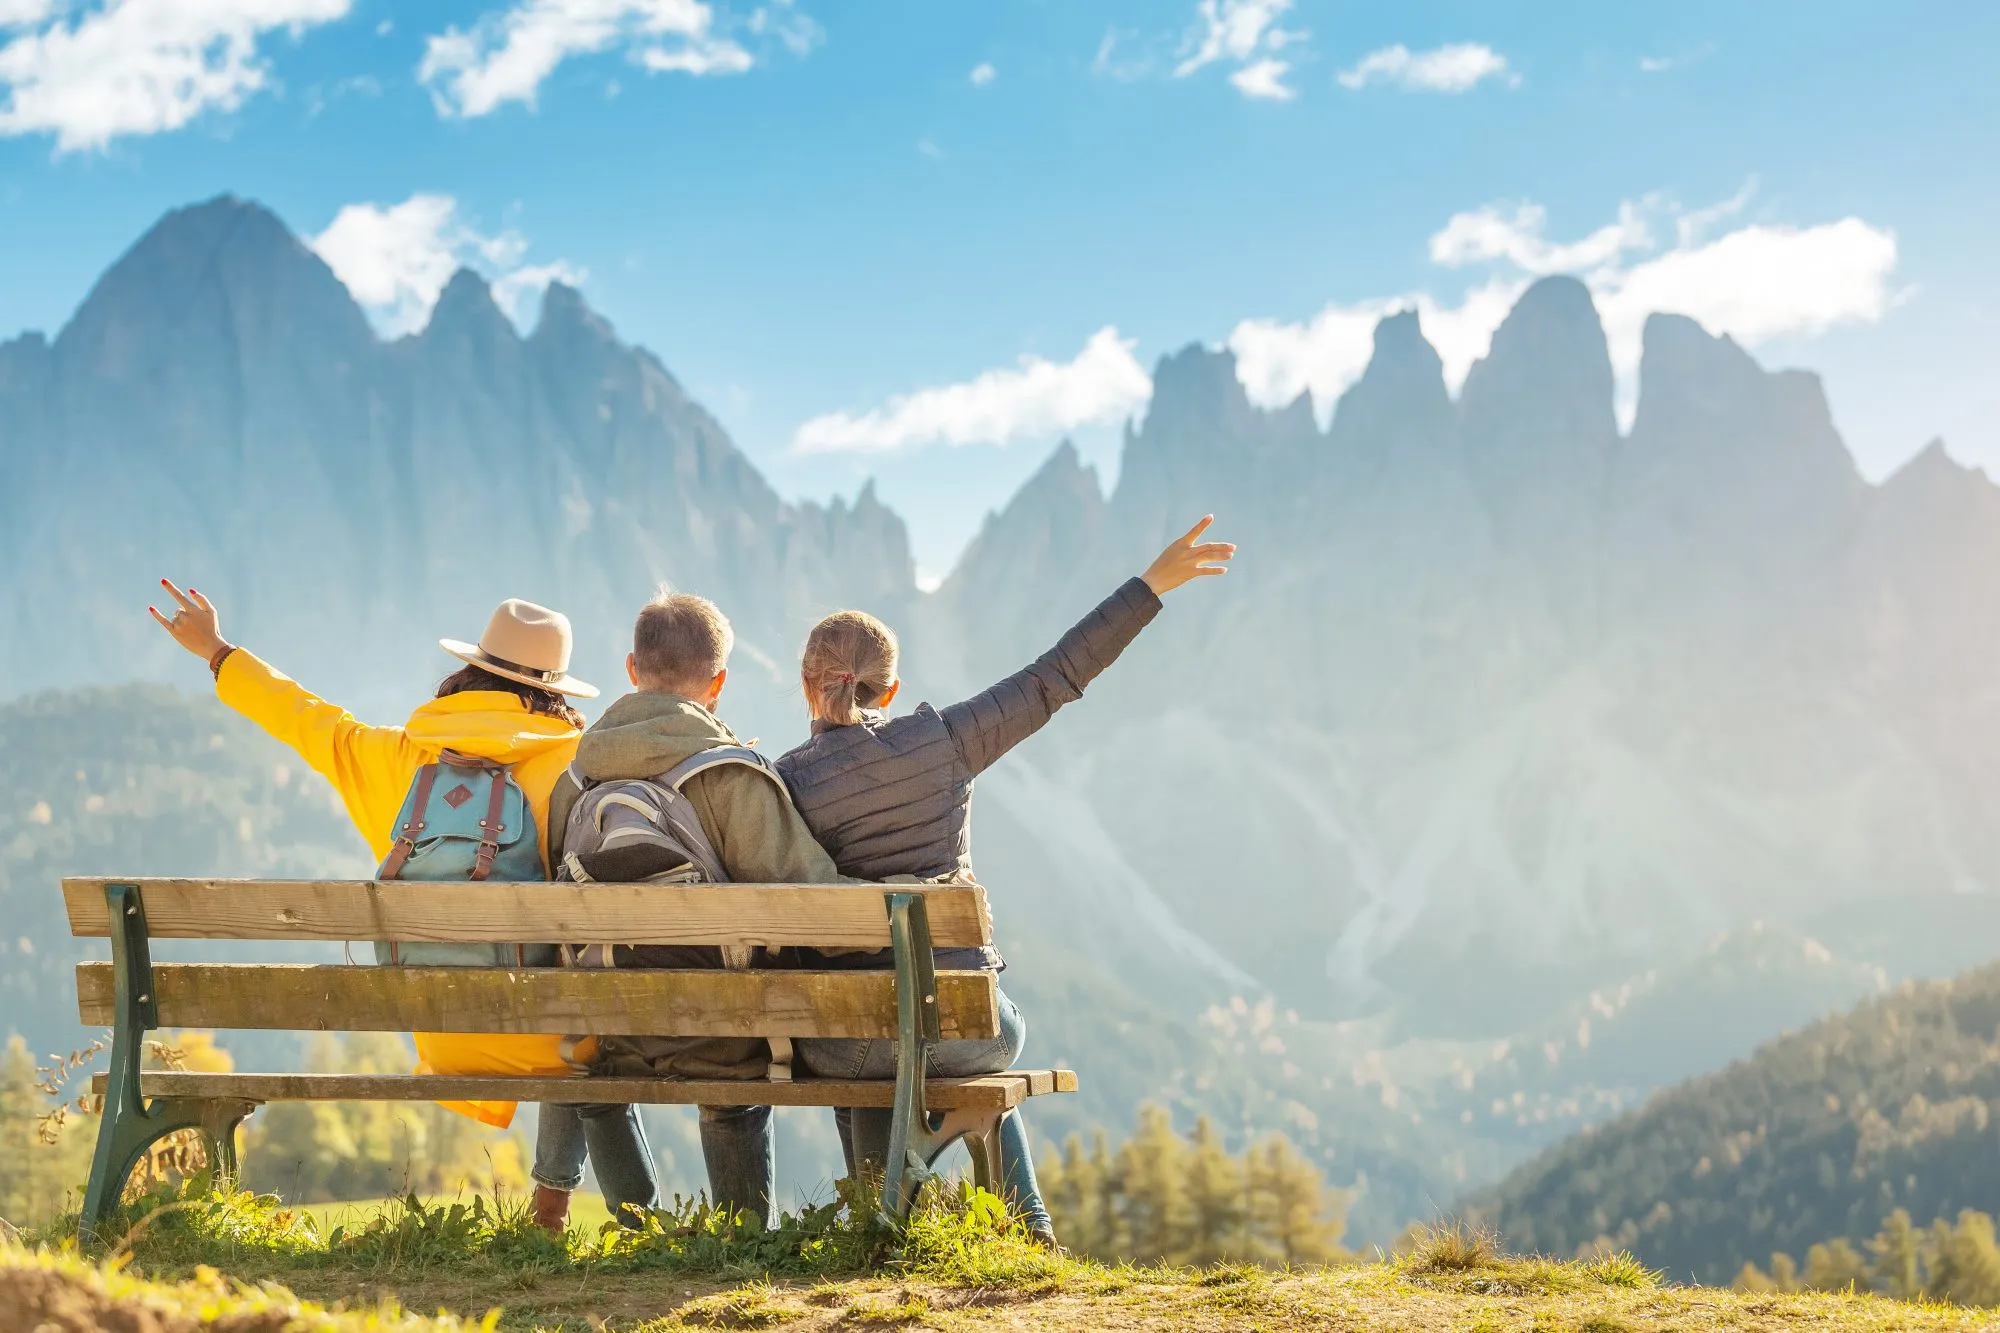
(990, 1092)
(824, 915)
(608, 1002)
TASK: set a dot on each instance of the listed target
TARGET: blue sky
(845, 225)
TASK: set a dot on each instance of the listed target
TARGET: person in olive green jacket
(679, 664)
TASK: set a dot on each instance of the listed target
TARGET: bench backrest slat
(608, 1002)
(776, 915)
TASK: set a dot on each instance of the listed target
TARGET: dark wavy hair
(545, 702)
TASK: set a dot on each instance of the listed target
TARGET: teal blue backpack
(464, 819)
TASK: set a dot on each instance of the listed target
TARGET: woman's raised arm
(363, 762)
(1000, 717)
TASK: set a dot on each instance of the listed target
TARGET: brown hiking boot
(551, 1209)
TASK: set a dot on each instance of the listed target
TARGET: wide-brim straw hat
(526, 643)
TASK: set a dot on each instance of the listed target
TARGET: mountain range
(1502, 711)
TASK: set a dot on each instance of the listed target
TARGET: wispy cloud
(1456, 68)
(1035, 399)
(983, 73)
(1757, 283)
(1244, 33)
(1661, 64)
(506, 55)
(92, 73)
(397, 259)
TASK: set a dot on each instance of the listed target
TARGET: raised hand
(1188, 558)
(193, 625)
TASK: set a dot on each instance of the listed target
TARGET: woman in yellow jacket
(507, 704)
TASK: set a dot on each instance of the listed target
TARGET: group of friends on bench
(866, 796)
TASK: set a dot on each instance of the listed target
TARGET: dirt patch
(36, 1300)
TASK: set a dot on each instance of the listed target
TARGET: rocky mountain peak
(227, 270)
(1195, 387)
(466, 308)
(567, 317)
(1402, 391)
(1549, 369)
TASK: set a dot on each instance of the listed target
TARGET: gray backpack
(646, 831)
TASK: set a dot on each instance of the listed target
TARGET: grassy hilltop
(1818, 1135)
(245, 1266)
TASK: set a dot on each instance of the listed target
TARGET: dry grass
(955, 1271)
(1491, 1294)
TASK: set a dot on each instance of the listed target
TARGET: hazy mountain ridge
(1567, 702)
(219, 407)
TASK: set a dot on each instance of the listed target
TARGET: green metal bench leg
(916, 1139)
(124, 1138)
(129, 1125)
(910, 1153)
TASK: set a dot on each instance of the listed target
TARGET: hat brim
(470, 654)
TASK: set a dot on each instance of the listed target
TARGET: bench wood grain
(989, 1092)
(608, 1002)
(774, 915)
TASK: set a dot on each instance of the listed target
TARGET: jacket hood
(487, 724)
(643, 735)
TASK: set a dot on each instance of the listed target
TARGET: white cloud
(1448, 69)
(24, 13)
(1488, 234)
(1240, 32)
(1264, 79)
(1757, 283)
(1036, 399)
(506, 55)
(91, 74)
(983, 73)
(396, 260)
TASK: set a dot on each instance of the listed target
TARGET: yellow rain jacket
(372, 768)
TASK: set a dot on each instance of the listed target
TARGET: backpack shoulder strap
(406, 835)
(677, 776)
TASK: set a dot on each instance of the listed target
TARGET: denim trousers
(864, 1131)
(735, 1146)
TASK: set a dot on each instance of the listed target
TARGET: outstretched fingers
(165, 624)
(1189, 538)
(178, 595)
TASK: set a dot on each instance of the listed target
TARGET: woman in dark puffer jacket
(892, 796)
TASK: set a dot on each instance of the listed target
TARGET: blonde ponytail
(849, 663)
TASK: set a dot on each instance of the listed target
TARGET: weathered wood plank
(315, 997)
(994, 1092)
(775, 915)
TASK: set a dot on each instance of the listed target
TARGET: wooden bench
(915, 1003)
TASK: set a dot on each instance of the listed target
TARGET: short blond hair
(681, 642)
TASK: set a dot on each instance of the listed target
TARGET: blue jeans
(864, 1130)
(735, 1146)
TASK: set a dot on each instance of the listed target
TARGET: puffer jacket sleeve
(994, 721)
(370, 767)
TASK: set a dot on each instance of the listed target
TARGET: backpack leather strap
(489, 846)
(406, 837)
